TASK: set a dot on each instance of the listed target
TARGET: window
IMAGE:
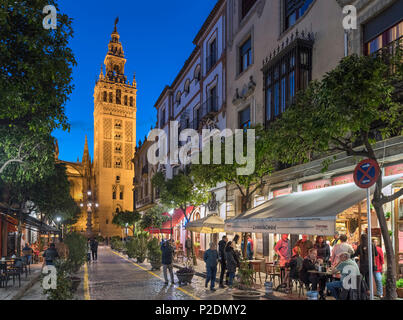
(212, 58)
(117, 178)
(114, 195)
(118, 96)
(131, 101)
(212, 100)
(118, 163)
(197, 73)
(178, 98)
(187, 86)
(121, 195)
(246, 5)
(118, 136)
(125, 99)
(118, 124)
(244, 118)
(295, 9)
(110, 97)
(118, 148)
(384, 39)
(284, 77)
(196, 118)
(245, 53)
(162, 118)
(105, 96)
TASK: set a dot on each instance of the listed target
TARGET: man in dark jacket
(167, 257)
(307, 278)
(221, 254)
(211, 258)
(50, 255)
(94, 249)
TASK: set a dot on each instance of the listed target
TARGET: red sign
(343, 180)
(392, 170)
(281, 192)
(366, 173)
(316, 185)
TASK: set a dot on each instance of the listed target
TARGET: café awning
(310, 212)
(209, 224)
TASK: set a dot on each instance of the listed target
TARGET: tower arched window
(105, 96)
(110, 97)
(125, 99)
(187, 86)
(178, 97)
(118, 96)
(131, 101)
(197, 73)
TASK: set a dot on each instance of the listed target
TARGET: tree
(127, 219)
(154, 218)
(181, 192)
(354, 105)
(212, 174)
(36, 66)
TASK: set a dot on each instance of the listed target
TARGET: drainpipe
(345, 43)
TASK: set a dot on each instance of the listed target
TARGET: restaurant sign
(309, 227)
(316, 185)
(393, 170)
(281, 192)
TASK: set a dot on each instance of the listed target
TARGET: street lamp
(171, 213)
(89, 205)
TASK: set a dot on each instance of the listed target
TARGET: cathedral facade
(110, 176)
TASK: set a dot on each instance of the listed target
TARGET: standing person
(188, 246)
(379, 262)
(27, 252)
(249, 248)
(94, 249)
(339, 248)
(304, 244)
(232, 262)
(167, 257)
(211, 259)
(295, 266)
(336, 239)
(89, 250)
(322, 248)
(221, 253)
(50, 255)
(283, 249)
(362, 254)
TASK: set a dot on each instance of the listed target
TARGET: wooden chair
(256, 269)
(272, 273)
(180, 256)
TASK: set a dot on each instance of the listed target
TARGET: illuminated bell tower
(114, 137)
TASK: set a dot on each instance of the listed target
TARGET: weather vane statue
(116, 22)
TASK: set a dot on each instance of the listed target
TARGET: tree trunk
(244, 207)
(19, 231)
(391, 293)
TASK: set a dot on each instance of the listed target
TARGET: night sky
(157, 39)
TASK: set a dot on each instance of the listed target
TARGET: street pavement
(115, 277)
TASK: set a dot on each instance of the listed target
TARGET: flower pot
(155, 265)
(185, 278)
(400, 292)
(247, 295)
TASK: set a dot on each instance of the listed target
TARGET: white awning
(309, 212)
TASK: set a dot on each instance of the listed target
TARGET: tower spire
(86, 155)
(116, 22)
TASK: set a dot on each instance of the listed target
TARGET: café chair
(272, 273)
(256, 270)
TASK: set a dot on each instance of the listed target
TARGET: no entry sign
(366, 173)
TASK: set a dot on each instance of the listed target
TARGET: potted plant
(137, 247)
(197, 248)
(388, 215)
(154, 254)
(244, 284)
(399, 288)
(186, 273)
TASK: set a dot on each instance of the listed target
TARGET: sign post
(365, 176)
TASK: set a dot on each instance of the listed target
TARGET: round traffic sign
(366, 173)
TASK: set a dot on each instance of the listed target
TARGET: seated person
(345, 267)
(294, 266)
(309, 264)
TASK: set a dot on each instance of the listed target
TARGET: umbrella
(209, 224)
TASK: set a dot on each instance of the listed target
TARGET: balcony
(208, 109)
(143, 202)
(390, 51)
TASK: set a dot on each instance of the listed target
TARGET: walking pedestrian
(167, 258)
(27, 252)
(231, 261)
(89, 250)
(188, 246)
(94, 249)
(221, 253)
(50, 255)
(211, 259)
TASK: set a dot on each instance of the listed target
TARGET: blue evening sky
(157, 39)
